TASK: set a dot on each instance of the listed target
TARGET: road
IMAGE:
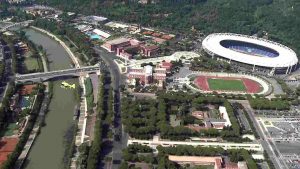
(265, 142)
(118, 144)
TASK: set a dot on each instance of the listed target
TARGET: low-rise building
(94, 20)
(166, 65)
(113, 45)
(156, 141)
(216, 162)
(147, 75)
(159, 40)
(127, 48)
(197, 160)
(149, 50)
(209, 122)
(101, 33)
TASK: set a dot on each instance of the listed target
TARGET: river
(48, 150)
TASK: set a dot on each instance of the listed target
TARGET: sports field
(226, 84)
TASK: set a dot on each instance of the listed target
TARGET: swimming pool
(94, 36)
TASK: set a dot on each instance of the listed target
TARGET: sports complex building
(251, 52)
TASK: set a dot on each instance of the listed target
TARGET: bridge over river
(46, 76)
(15, 24)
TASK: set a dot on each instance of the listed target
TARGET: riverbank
(41, 116)
(63, 44)
(82, 122)
(47, 150)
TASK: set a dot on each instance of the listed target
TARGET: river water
(48, 149)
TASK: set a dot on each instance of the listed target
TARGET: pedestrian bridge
(52, 75)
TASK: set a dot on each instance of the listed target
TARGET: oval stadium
(251, 52)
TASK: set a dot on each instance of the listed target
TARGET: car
(116, 161)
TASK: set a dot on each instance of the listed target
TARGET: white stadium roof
(286, 58)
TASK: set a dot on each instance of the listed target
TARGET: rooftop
(118, 41)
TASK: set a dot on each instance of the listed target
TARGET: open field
(226, 84)
(31, 64)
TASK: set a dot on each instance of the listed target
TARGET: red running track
(7, 146)
(251, 85)
(201, 83)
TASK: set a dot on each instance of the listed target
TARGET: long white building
(156, 141)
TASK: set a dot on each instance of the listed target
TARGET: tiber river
(48, 150)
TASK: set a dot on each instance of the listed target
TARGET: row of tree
(12, 158)
(81, 40)
(89, 94)
(90, 156)
(139, 117)
(141, 153)
(96, 145)
(145, 118)
(266, 104)
(5, 112)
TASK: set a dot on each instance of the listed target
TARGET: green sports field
(226, 84)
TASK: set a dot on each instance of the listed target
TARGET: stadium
(251, 52)
(229, 83)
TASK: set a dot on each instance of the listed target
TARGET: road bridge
(24, 23)
(46, 76)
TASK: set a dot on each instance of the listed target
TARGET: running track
(252, 86)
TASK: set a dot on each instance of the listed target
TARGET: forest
(276, 19)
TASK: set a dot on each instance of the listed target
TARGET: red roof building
(166, 65)
(149, 50)
(156, 34)
(159, 40)
(112, 45)
(197, 160)
(167, 37)
(146, 74)
(27, 89)
(147, 33)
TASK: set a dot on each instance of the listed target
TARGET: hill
(279, 19)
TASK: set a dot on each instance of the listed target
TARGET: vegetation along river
(48, 149)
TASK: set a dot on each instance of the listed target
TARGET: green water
(48, 149)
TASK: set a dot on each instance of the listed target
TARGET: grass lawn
(10, 129)
(224, 84)
(214, 113)
(31, 64)
(173, 121)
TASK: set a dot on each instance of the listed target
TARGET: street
(265, 142)
(119, 141)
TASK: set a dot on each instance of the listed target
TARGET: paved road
(118, 144)
(265, 142)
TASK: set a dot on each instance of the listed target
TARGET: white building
(101, 33)
(156, 141)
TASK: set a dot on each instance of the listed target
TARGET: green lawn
(10, 129)
(214, 113)
(31, 64)
(224, 84)
(173, 121)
